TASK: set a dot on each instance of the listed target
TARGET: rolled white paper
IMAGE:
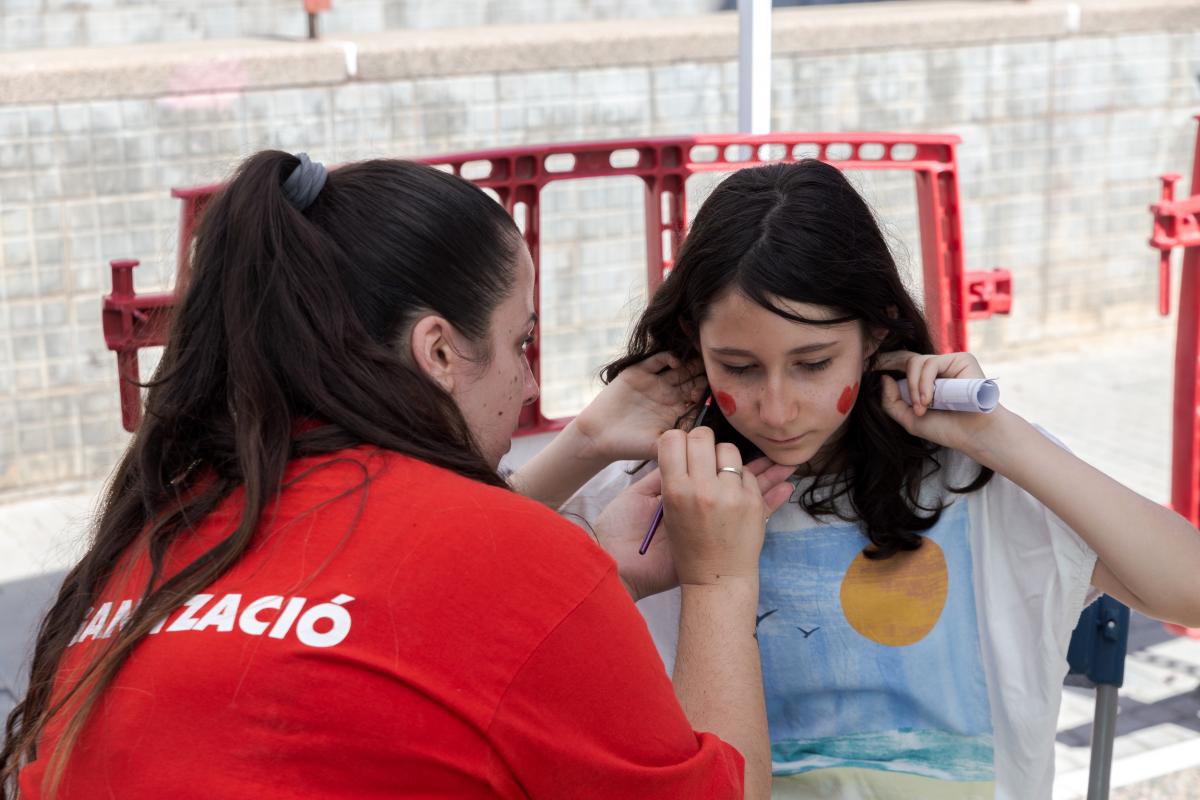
(980, 395)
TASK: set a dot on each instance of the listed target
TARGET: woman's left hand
(627, 417)
(957, 429)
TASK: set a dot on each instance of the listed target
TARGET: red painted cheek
(725, 403)
(846, 401)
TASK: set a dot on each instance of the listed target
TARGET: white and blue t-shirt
(933, 674)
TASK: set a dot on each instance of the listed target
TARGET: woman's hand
(718, 518)
(625, 420)
(715, 507)
(622, 525)
(956, 429)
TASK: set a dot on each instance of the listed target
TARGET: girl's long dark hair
(801, 232)
(290, 317)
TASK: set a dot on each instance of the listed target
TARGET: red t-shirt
(419, 636)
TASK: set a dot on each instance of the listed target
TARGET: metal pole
(1103, 731)
(312, 25)
(754, 66)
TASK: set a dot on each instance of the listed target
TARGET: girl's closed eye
(811, 366)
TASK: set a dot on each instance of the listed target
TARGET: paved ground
(1109, 400)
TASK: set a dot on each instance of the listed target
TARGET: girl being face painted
(786, 289)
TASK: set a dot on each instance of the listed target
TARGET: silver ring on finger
(734, 470)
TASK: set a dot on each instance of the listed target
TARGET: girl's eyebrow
(795, 351)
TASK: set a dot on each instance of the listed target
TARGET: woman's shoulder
(470, 513)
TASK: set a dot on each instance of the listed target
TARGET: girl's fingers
(759, 465)
(966, 366)
(773, 483)
(894, 405)
(770, 475)
(775, 497)
(929, 371)
(913, 374)
(894, 360)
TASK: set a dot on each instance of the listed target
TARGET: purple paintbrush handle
(650, 531)
(658, 515)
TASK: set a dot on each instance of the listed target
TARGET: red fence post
(1175, 225)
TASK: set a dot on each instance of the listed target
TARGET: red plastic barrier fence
(518, 175)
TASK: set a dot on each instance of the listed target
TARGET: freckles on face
(846, 400)
(726, 403)
(514, 391)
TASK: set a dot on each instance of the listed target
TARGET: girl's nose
(776, 407)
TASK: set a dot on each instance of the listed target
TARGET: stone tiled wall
(26, 24)
(1063, 135)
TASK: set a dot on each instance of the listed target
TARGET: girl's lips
(792, 440)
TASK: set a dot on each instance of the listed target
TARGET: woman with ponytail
(308, 578)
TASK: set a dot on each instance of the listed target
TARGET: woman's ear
(432, 349)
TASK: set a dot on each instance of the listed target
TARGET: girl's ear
(431, 345)
(872, 341)
(877, 335)
(691, 335)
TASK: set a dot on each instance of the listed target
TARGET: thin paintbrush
(658, 515)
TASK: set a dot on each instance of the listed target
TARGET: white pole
(754, 66)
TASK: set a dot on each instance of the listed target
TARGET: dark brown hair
(289, 317)
(801, 232)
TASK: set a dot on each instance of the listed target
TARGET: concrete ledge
(245, 64)
(95, 73)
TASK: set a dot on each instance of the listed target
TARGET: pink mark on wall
(211, 83)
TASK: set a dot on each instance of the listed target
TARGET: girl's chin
(792, 455)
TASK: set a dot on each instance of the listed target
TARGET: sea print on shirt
(873, 669)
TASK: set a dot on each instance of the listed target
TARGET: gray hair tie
(305, 183)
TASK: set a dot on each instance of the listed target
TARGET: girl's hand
(622, 525)
(956, 429)
(627, 417)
